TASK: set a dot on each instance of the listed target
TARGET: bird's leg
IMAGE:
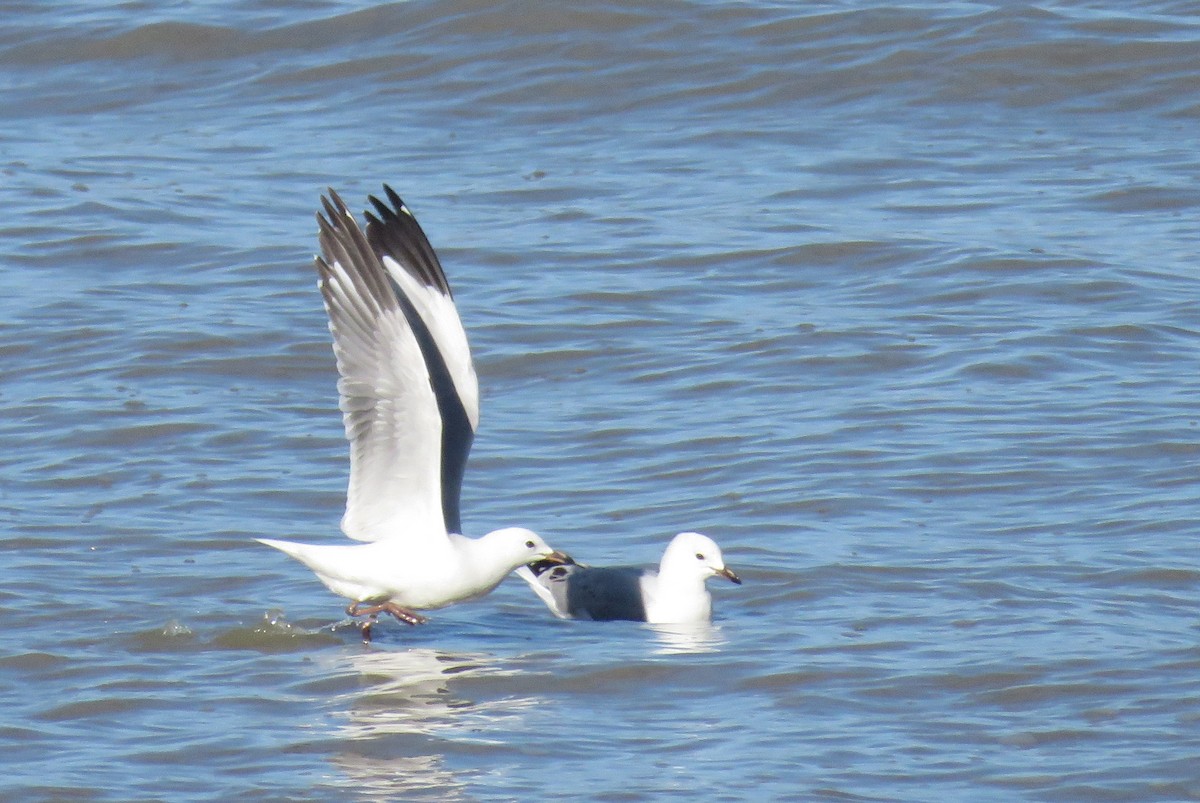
(402, 614)
(355, 609)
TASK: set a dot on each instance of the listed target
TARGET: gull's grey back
(604, 593)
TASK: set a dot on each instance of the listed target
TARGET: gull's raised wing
(388, 403)
(412, 264)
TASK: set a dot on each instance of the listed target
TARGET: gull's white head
(695, 555)
(517, 546)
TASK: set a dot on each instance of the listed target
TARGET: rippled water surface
(899, 304)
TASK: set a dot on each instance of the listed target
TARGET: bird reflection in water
(697, 637)
(396, 730)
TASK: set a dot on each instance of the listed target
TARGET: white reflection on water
(396, 727)
(693, 638)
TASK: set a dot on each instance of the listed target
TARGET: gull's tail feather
(548, 579)
(306, 553)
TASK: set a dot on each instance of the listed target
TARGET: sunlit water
(897, 304)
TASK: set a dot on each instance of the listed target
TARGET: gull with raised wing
(676, 594)
(410, 405)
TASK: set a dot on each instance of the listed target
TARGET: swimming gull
(410, 405)
(675, 594)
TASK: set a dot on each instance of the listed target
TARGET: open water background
(898, 303)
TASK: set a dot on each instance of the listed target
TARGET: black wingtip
(333, 206)
(396, 201)
(393, 231)
(392, 210)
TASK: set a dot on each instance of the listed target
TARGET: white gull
(410, 405)
(675, 594)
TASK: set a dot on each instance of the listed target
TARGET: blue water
(898, 304)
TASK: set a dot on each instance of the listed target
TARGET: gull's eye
(699, 556)
(529, 544)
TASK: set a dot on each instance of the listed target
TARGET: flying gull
(410, 405)
(675, 594)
